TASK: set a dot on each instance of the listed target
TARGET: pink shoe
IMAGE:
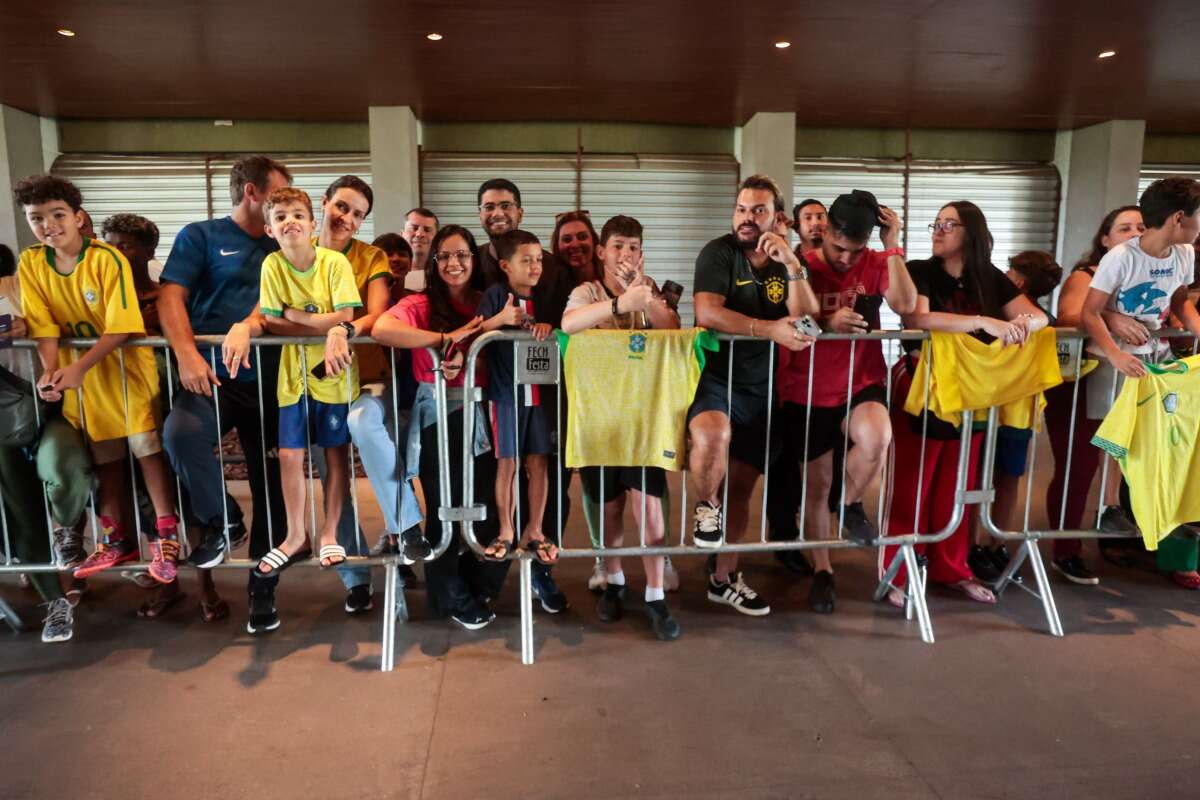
(105, 557)
(166, 553)
(1188, 580)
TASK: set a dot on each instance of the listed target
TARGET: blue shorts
(527, 432)
(1012, 446)
(324, 424)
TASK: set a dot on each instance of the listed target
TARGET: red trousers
(948, 558)
(1085, 461)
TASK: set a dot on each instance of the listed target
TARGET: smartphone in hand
(672, 292)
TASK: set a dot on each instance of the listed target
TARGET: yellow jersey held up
(628, 394)
(1152, 431)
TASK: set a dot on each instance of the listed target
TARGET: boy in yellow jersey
(308, 291)
(78, 287)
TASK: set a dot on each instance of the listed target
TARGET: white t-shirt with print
(1141, 286)
(593, 292)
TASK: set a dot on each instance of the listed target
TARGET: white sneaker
(599, 579)
(670, 576)
(60, 621)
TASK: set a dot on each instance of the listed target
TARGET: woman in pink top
(443, 316)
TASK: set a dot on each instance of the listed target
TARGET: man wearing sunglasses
(500, 211)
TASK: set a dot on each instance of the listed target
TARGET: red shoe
(1188, 580)
(107, 556)
(165, 553)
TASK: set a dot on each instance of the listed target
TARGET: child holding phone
(308, 291)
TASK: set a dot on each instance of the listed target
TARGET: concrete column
(20, 156)
(1099, 166)
(395, 166)
(767, 145)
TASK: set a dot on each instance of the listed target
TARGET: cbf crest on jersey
(90, 296)
(775, 290)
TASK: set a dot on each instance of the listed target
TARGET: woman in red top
(443, 317)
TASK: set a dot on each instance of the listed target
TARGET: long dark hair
(586, 219)
(976, 254)
(1098, 248)
(442, 316)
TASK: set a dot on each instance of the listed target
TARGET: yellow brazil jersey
(628, 394)
(369, 263)
(1152, 432)
(970, 375)
(90, 298)
(325, 287)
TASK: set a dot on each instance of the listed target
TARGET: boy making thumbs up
(518, 418)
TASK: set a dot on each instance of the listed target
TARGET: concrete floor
(793, 705)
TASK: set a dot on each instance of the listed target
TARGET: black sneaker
(473, 616)
(856, 526)
(794, 561)
(822, 596)
(610, 606)
(388, 545)
(979, 559)
(706, 526)
(414, 545)
(661, 622)
(1114, 520)
(546, 590)
(263, 616)
(1074, 570)
(358, 599)
(736, 593)
(212, 548)
(1000, 558)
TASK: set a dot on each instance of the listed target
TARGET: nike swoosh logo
(230, 253)
(742, 283)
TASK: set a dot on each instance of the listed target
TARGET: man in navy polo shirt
(211, 286)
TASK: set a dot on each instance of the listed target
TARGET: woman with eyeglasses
(958, 290)
(1090, 401)
(443, 317)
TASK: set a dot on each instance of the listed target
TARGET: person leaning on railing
(443, 317)
(959, 291)
(1091, 400)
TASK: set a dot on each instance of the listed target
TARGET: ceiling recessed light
(66, 32)
(433, 37)
(1107, 54)
(783, 45)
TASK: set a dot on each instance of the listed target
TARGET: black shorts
(618, 479)
(825, 433)
(747, 412)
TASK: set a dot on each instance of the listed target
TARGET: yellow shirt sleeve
(379, 267)
(1116, 431)
(115, 279)
(342, 290)
(35, 303)
(270, 296)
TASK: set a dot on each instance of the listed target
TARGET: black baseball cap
(855, 214)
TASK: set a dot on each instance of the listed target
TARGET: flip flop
(545, 551)
(332, 555)
(139, 578)
(214, 612)
(498, 550)
(278, 560)
(157, 606)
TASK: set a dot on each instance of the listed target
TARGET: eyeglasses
(461, 256)
(945, 227)
(504, 206)
(581, 212)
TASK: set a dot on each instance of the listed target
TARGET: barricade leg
(10, 617)
(526, 611)
(387, 657)
(914, 591)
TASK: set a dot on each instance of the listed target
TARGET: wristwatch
(802, 275)
(348, 327)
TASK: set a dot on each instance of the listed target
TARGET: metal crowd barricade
(394, 601)
(474, 511)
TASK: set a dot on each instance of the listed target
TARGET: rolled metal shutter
(1152, 172)
(682, 202)
(169, 190)
(450, 185)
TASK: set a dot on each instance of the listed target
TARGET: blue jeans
(373, 426)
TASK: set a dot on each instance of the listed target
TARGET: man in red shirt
(811, 223)
(847, 397)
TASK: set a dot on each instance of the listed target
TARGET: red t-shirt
(414, 310)
(834, 290)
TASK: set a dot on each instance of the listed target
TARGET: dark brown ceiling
(970, 63)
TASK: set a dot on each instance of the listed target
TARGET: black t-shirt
(957, 296)
(722, 268)
(552, 290)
